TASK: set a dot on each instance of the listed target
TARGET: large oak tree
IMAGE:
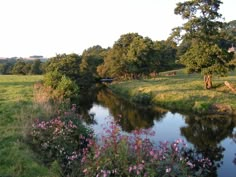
(204, 27)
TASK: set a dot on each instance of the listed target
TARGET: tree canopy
(204, 29)
(133, 55)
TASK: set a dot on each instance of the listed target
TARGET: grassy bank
(16, 111)
(181, 92)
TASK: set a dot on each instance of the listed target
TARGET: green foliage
(52, 79)
(20, 67)
(166, 52)
(36, 67)
(80, 70)
(6, 65)
(59, 139)
(142, 98)
(205, 31)
(5, 68)
(203, 19)
(206, 58)
(68, 65)
(67, 87)
(91, 59)
(133, 56)
(62, 85)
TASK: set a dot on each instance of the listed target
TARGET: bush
(67, 88)
(60, 139)
(52, 79)
(62, 85)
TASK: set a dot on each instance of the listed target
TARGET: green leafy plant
(60, 139)
(62, 86)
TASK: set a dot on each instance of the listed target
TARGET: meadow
(182, 92)
(17, 110)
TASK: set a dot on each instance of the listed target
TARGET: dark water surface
(214, 136)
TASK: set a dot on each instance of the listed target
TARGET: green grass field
(17, 110)
(182, 92)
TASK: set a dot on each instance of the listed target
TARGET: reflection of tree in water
(206, 134)
(129, 116)
(234, 139)
(86, 100)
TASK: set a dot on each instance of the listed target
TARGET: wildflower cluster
(66, 140)
(62, 138)
(136, 155)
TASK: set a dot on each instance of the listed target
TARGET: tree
(19, 67)
(5, 68)
(68, 65)
(231, 28)
(36, 67)
(166, 54)
(205, 30)
(91, 59)
(6, 65)
(130, 56)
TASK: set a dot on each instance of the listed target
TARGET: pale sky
(50, 27)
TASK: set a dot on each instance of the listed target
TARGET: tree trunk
(208, 81)
(230, 86)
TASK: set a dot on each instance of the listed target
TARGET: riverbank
(181, 92)
(17, 110)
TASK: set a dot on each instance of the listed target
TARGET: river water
(214, 136)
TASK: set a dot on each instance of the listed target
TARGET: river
(214, 136)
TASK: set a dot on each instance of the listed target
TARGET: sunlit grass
(16, 112)
(184, 92)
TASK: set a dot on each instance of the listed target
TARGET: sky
(50, 27)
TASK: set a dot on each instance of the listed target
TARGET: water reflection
(214, 137)
(130, 116)
(234, 139)
(206, 133)
(86, 101)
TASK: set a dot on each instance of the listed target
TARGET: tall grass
(183, 92)
(17, 110)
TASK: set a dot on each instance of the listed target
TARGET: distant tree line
(21, 66)
(133, 57)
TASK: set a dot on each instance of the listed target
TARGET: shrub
(67, 88)
(52, 79)
(60, 139)
(62, 86)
